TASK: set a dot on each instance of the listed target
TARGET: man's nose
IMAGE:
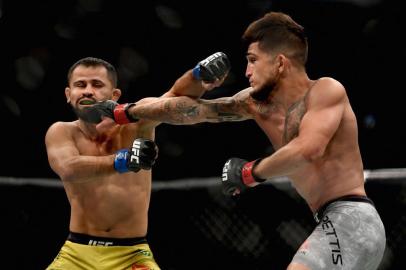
(248, 72)
(89, 90)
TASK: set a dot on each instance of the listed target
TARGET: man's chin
(86, 114)
(261, 94)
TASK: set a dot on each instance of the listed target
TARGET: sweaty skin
(310, 124)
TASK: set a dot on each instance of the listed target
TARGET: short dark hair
(278, 32)
(95, 62)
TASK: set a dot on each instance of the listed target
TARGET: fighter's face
(262, 71)
(87, 86)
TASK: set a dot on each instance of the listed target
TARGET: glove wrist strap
(196, 72)
(121, 114)
(120, 161)
(248, 176)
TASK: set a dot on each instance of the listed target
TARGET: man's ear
(282, 62)
(116, 94)
(67, 94)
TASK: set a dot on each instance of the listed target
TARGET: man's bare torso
(110, 206)
(339, 172)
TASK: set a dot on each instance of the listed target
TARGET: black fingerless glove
(216, 66)
(237, 175)
(111, 109)
(142, 155)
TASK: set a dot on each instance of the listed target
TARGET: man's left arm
(318, 126)
(205, 76)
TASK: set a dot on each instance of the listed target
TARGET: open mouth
(87, 102)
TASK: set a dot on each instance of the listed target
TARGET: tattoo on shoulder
(225, 110)
(227, 117)
(218, 110)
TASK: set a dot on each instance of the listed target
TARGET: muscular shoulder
(243, 94)
(327, 90)
(61, 126)
(329, 85)
(251, 106)
(240, 104)
(59, 130)
(244, 101)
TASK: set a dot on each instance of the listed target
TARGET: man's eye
(98, 85)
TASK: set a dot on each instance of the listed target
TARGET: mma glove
(237, 175)
(141, 155)
(109, 108)
(214, 67)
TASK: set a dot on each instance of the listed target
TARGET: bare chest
(281, 126)
(105, 145)
(96, 148)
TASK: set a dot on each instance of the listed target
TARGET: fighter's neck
(290, 90)
(95, 134)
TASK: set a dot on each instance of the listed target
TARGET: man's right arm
(66, 161)
(70, 165)
(188, 111)
(205, 76)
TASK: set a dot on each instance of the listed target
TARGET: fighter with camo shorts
(313, 130)
(344, 226)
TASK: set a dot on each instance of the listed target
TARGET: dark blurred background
(151, 43)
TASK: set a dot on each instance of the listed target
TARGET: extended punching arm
(215, 67)
(111, 109)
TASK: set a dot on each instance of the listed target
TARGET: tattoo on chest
(264, 109)
(293, 118)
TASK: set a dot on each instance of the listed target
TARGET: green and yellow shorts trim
(81, 251)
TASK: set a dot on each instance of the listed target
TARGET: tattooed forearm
(225, 117)
(223, 110)
(181, 110)
(176, 111)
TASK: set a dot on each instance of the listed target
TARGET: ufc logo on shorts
(224, 177)
(99, 243)
(136, 152)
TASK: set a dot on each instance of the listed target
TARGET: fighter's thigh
(321, 250)
(73, 257)
(143, 259)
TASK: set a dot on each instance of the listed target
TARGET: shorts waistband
(349, 198)
(90, 240)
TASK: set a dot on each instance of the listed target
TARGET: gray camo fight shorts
(350, 235)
